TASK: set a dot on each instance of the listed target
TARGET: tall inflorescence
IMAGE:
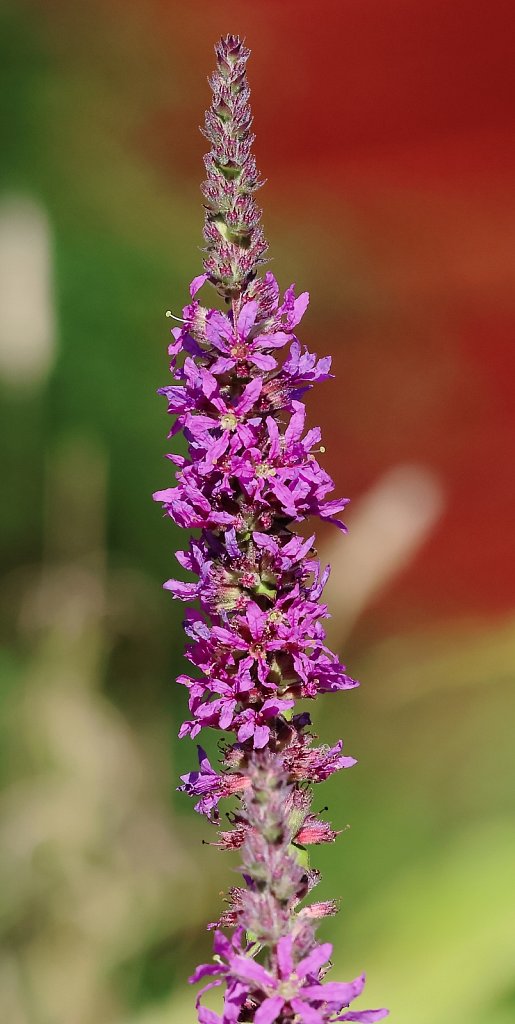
(255, 631)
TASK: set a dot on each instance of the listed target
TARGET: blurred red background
(386, 130)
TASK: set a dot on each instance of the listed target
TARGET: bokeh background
(385, 130)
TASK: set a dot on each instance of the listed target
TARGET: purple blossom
(211, 786)
(293, 986)
(252, 723)
(242, 344)
(256, 638)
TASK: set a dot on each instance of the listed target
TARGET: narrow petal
(274, 705)
(336, 991)
(226, 636)
(206, 1016)
(365, 1016)
(250, 395)
(234, 998)
(263, 540)
(332, 507)
(203, 971)
(215, 451)
(299, 308)
(198, 423)
(274, 340)
(256, 619)
(261, 736)
(197, 283)
(247, 318)
(226, 714)
(246, 969)
(232, 544)
(273, 433)
(269, 1010)
(166, 495)
(218, 326)
(296, 424)
(221, 945)
(183, 591)
(306, 1013)
(223, 365)
(246, 730)
(262, 361)
(315, 960)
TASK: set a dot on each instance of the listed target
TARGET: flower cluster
(255, 632)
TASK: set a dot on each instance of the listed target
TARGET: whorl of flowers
(255, 631)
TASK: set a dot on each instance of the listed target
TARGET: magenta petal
(264, 541)
(246, 969)
(218, 327)
(315, 960)
(261, 736)
(223, 365)
(186, 729)
(183, 591)
(269, 1010)
(296, 425)
(215, 451)
(306, 1013)
(250, 395)
(332, 507)
(262, 361)
(234, 998)
(299, 306)
(203, 971)
(341, 992)
(365, 1016)
(221, 945)
(199, 423)
(166, 495)
(224, 636)
(206, 1016)
(275, 440)
(274, 705)
(197, 283)
(256, 619)
(226, 714)
(247, 318)
(231, 543)
(245, 731)
(275, 340)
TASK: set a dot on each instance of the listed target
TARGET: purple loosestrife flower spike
(254, 625)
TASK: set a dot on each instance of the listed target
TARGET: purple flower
(210, 786)
(293, 987)
(236, 992)
(242, 344)
(252, 723)
(250, 473)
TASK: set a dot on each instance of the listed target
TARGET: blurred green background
(385, 133)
